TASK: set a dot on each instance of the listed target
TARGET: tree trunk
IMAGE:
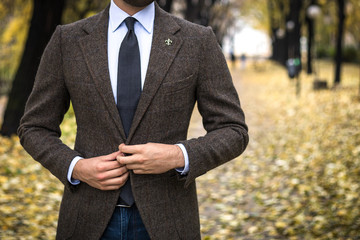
(294, 33)
(46, 16)
(192, 11)
(311, 40)
(339, 43)
(310, 28)
(198, 11)
(165, 4)
(281, 52)
(272, 29)
(279, 42)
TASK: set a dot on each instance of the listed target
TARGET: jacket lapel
(164, 49)
(94, 48)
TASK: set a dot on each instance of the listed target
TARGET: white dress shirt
(144, 28)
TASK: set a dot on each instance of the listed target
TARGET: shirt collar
(145, 17)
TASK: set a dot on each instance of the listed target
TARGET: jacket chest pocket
(176, 95)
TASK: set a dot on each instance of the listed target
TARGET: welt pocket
(178, 85)
(82, 83)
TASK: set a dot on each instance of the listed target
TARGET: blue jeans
(125, 224)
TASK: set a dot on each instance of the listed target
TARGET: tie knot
(130, 21)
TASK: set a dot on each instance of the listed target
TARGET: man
(131, 161)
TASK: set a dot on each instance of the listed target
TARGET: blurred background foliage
(298, 178)
(15, 16)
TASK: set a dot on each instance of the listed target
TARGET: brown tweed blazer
(192, 69)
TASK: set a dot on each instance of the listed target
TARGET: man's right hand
(103, 172)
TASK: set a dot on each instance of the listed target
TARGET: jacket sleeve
(39, 129)
(219, 106)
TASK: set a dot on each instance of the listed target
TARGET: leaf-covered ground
(298, 178)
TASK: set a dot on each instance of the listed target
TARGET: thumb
(121, 146)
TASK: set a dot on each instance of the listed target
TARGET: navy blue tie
(129, 76)
(129, 89)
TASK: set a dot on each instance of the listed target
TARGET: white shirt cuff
(71, 169)
(185, 169)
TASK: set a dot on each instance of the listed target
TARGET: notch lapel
(164, 49)
(94, 48)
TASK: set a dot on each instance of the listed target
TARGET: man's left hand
(151, 158)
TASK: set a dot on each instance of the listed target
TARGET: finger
(114, 173)
(112, 164)
(145, 171)
(111, 156)
(130, 149)
(140, 169)
(116, 182)
(133, 167)
(106, 165)
(131, 159)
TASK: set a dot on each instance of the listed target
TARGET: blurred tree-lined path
(298, 178)
(329, 28)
